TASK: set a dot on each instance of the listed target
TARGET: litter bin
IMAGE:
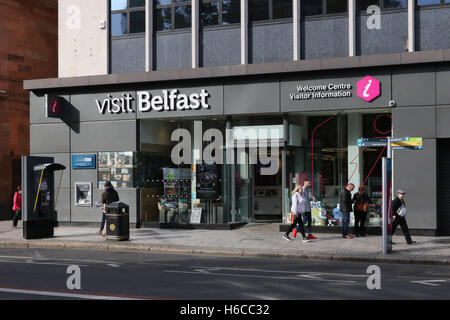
(117, 221)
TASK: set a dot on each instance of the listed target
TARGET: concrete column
(351, 28)
(411, 26)
(355, 162)
(244, 31)
(195, 33)
(296, 25)
(148, 35)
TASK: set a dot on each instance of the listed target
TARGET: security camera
(392, 103)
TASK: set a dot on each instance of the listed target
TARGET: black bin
(117, 221)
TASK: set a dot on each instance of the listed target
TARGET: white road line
(39, 262)
(256, 276)
(280, 271)
(429, 282)
(64, 295)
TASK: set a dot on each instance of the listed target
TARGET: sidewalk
(262, 240)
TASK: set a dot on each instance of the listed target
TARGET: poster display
(116, 167)
(207, 181)
(196, 215)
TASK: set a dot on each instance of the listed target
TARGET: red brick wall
(28, 50)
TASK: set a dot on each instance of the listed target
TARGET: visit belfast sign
(167, 100)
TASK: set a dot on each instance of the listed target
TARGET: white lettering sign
(332, 90)
(169, 100)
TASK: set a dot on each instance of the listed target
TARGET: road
(42, 274)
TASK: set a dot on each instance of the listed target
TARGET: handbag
(361, 206)
(401, 212)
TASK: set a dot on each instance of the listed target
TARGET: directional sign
(410, 143)
(372, 142)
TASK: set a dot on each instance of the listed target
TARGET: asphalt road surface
(48, 274)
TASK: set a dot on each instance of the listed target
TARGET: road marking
(113, 265)
(65, 294)
(287, 272)
(39, 262)
(205, 272)
(429, 282)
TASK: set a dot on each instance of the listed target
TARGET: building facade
(210, 112)
(28, 50)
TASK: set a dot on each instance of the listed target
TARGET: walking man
(398, 216)
(345, 205)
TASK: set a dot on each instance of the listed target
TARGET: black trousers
(297, 220)
(402, 222)
(360, 221)
(17, 216)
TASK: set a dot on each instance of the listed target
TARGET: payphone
(39, 197)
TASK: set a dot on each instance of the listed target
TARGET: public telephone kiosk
(39, 196)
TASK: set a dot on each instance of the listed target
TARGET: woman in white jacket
(298, 208)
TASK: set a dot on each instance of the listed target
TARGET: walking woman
(17, 206)
(298, 208)
(361, 200)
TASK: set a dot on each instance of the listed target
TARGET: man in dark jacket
(398, 202)
(345, 206)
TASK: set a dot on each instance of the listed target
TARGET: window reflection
(163, 19)
(137, 22)
(231, 11)
(209, 14)
(258, 10)
(282, 9)
(118, 24)
(182, 17)
(137, 3)
(118, 4)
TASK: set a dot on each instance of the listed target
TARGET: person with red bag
(17, 206)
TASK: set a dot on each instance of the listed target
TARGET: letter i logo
(368, 88)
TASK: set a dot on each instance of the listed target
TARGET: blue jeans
(307, 221)
(345, 222)
(102, 225)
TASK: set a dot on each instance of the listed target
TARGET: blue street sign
(84, 161)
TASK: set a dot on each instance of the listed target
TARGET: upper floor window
(260, 10)
(127, 17)
(382, 4)
(172, 14)
(219, 12)
(431, 2)
(322, 7)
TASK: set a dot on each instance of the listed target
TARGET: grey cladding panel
(324, 38)
(64, 159)
(414, 122)
(92, 106)
(127, 55)
(105, 136)
(413, 168)
(390, 38)
(173, 51)
(443, 85)
(242, 98)
(221, 47)
(414, 86)
(443, 121)
(432, 28)
(49, 138)
(270, 43)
